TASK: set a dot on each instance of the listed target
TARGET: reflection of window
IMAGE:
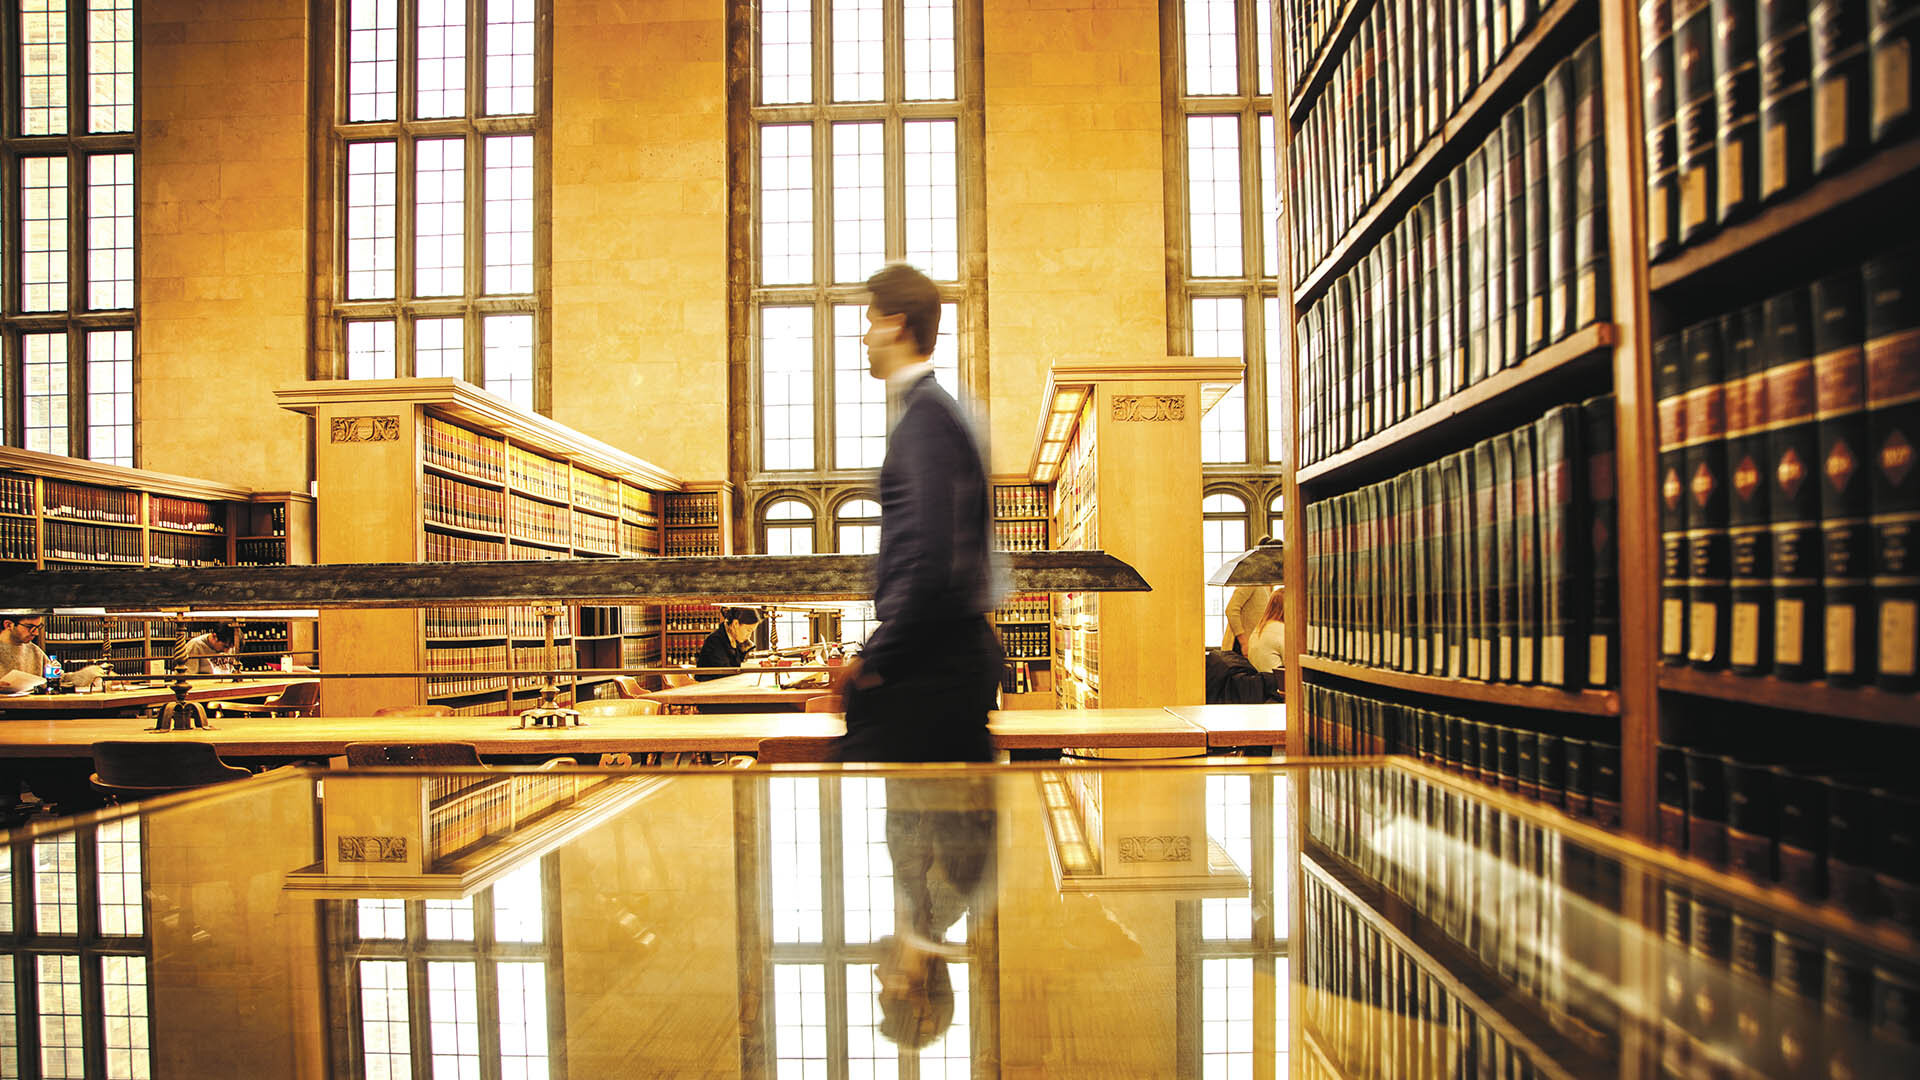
(827, 880)
(1223, 533)
(69, 235)
(456, 988)
(1233, 950)
(434, 147)
(1230, 261)
(81, 939)
(1277, 516)
(856, 525)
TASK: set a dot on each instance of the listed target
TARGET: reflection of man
(929, 672)
(730, 642)
(941, 837)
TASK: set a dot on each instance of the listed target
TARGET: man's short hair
(19, 616)
(899, 289)
(744, 615)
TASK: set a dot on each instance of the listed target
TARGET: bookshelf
(437, 470)
(67, 512)
(1025, 620)
(1118, 450)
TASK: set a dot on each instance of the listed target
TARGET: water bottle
(53, 673)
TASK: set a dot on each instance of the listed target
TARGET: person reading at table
(729, 643)
(18, 652)
(210, 653)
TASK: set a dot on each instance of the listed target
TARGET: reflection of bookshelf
(447, 837)
(1021, 523)
(67, 512)
(439, 470)
(1125, 831)
(1118, 448)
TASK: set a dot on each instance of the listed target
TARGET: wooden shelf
(596, 513)
(461, 530)
(550, 500)
(1466, 411)
(465, 478)
(134, 565)
(1850, 702)
(1799, 214)
(221, 534)
(1441, 149)
(281, 538)
(1583, 702)
(545, 545)
(457, 640)
(66, 519)
(1331, 50)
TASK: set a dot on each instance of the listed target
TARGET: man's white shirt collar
(899, 381)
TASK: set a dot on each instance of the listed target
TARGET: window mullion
(824, 423)
(76, 390)
(406, 229)
(833, 926)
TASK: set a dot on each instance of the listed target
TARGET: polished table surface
(137, 697)
(1238, 725)
(745, 688)
(1063, 921)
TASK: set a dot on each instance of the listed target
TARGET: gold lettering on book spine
(1149, 407)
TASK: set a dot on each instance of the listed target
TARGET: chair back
(302, 696)
(365, 754)
(676, 678)
(823, 703)
(414, 710)
(794, 749)
(619, 707)
(134, 769)
(629, 686)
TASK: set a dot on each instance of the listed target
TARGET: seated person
(1233, 680)
(730, 642)
(18, 652)
(210, 653)
(1267, 646)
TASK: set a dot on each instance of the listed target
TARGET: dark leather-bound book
(1671, 791)
(1891, 284)
(1705, 472)
(1560, 97)
(1514, 138)
(1605, 770)
(1750, 637)
(1786, 139)
(1366, 324)
(1553, 769)
(1406, 514)
(1752, 820)
(1709, 952)
(1526, 540)
(1893, 26)
(1840, 399)
(1406, 319)
(1423, 542)
(1751, 986)
(1458, 584)
(1600, 527)
(1796, 1029)
(1486, 574)
(1669, 388)
(1527, 753)
(1707, 807)
(1838, 35)
(1793, 499)
(1561, 501)
(1896, 861)
(1592, 291)
(1448, 301)
(1494, 152)
(1505, 577)
(1694, 112)
(1802, 862)
(1579, 803)
(1427, 378)
(1736, 79)
(1534, 120)
(1462, 280)
(1663, 153)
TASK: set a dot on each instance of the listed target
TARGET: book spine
(1592, 291)
(1458, 592)
(1422, 509)
(1564, 553)
(1891, 31)
(1602, 529)
(1458, 377)
(1694, 113)
(1477, 253)
(1505, 581)
(1786, 147)
(1429, 287)
(1749, 634)
(1671, 790)
(1439, 552)
(1840, 398)
(1704, 464)
(1406, 333)
(1663, 155)
(1407, 566)
(1669, 382)
(1560, 98)
(1736, 66)
(1793, 495)
(1485, 570)
(1514, 138)
(1534, 120)
(1891, 284)
(1837, 31)
(1526, 646)
(1446, 303)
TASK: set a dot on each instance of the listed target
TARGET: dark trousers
(932, 703)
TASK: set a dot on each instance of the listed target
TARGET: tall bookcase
(67, 512)
(1699, 304)
(1022, 522)
(1118, 450)
(436, 470)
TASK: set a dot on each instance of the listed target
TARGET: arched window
(789, 528)
(856, 526)
(1223, 524)
(1277, 516)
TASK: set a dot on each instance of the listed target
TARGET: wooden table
(129, 701)
(1234, 726)
(746, 688)
(1100, 729)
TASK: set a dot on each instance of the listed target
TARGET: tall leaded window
(856, 524)
(67, 241)
(438, 259)
(864, 150)
(1226, 301)
(460, 988)
(1223, 534)
(75, 998)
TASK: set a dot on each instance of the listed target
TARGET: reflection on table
(127, 699)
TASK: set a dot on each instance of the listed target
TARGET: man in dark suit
(927, 677)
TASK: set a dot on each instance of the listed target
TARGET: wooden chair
(629, 686)
(137, 770)
(366, 754)
(823, 703)
(793, 749)
(300, 699)
(414, 710)
(674, 678)
(619, 707)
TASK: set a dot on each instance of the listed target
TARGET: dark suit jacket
(720, 651)
(935, 564)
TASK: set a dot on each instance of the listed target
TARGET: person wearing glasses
(19, 633)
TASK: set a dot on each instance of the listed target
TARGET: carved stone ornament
(373, 849)
(1156, 849)
(1150, 407)
(351, 429)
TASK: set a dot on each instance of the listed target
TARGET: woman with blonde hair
(1267, 644)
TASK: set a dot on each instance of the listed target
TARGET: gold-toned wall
(1076, 227)
(640, 228)
(222, 204)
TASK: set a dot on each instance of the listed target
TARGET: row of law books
(1495, 563)
(465, 621)
(176, 549)
(19, 541)
(1578, 775)
(594, 533)
(64, 499)
(1537, 911)
(1788, 492)
(440, 547)
(463, 506)
(541, 522)
(1407, 69)
(450, 446)
(1506, 256)
(1748, 101)
(535, 474)
(16, 494)
(1838, 840)
(191, 515)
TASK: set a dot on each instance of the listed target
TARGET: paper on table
(19, 682)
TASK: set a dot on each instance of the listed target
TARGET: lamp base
(551, 716)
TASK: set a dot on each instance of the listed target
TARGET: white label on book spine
(1746, 634)
(1673, 632)
(1897, 619)
(1597, 646)
(1702, 641)
(1839, 639)
(1789, 618)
